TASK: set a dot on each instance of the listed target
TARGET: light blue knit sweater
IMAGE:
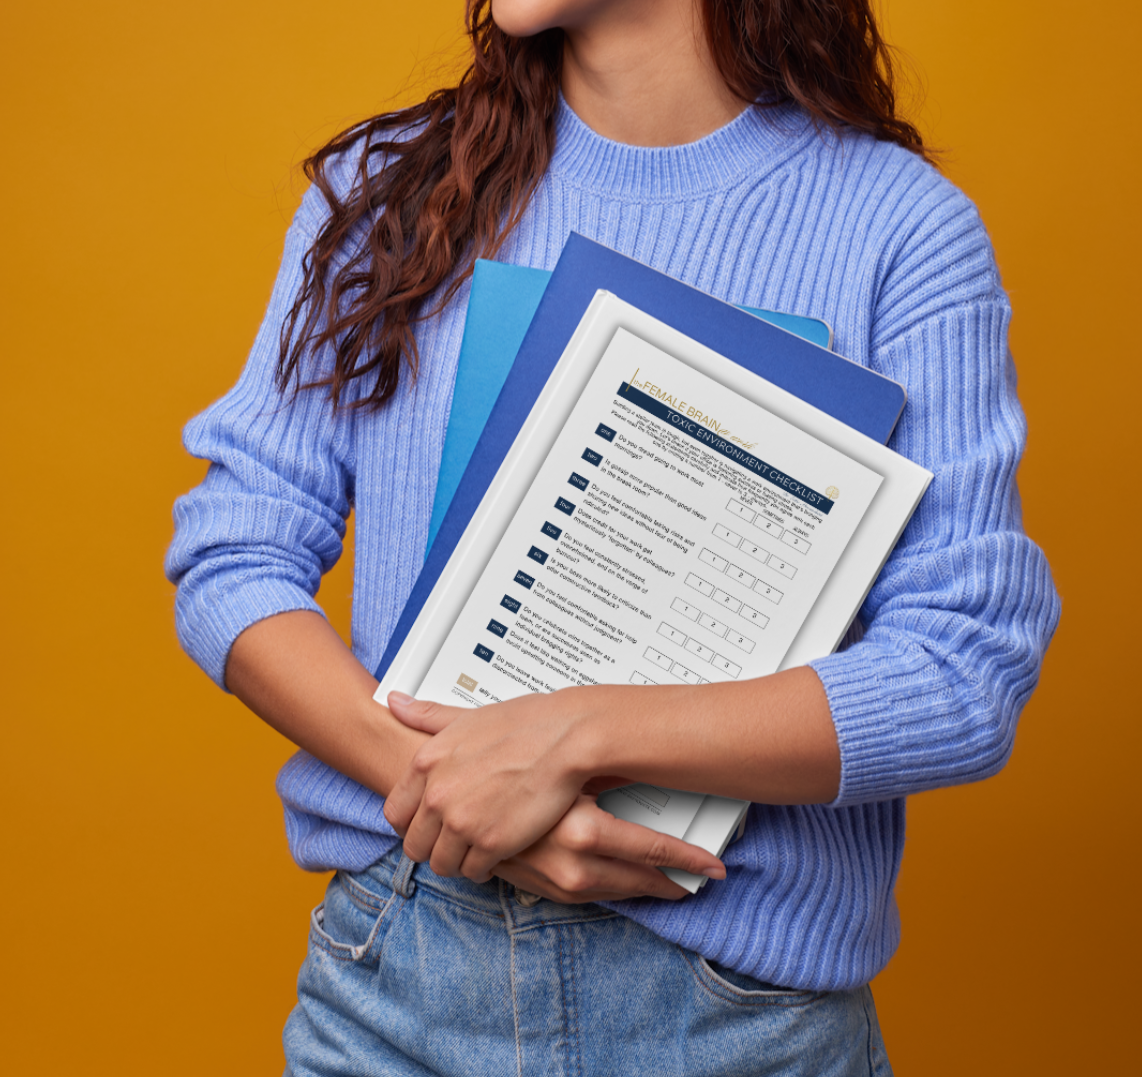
(764, 212)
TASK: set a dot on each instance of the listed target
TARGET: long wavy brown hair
(443, 183)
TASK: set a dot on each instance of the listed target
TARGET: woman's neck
(641, 72)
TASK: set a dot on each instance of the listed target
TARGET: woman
(749, 148)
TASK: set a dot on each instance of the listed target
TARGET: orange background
(154, 920)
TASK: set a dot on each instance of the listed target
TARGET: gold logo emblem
(832, 493)
(466, 682)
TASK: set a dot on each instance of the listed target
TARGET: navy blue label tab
(524, 580)
(563, 505)
(605, 432)
(551, 531)
(592, 457)
(483, 652)
(536, 554)
(578, 481)
(510, 604)
(496, 628)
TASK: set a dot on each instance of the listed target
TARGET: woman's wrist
(295, 673)
(390, 751)
(769, 740)
(618, 729)
(591, 741)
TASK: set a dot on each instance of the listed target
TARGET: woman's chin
(525, 18)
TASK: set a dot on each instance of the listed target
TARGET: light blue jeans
(408, 973)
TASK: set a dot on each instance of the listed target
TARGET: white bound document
(663, 517)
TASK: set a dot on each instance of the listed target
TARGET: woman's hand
(585, 854)
(491, 782)
(589, 855)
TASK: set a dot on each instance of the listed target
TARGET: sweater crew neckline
(753, 143)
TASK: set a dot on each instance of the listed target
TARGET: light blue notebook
(503, 300)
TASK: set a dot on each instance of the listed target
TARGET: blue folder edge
(501, 304)
(849, 392)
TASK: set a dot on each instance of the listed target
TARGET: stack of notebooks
(642, 484)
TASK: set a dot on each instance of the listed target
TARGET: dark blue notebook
(501, 304)
(856, 396)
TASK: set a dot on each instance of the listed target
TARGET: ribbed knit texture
(764, 212)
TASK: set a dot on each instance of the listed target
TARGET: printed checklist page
(676, 533)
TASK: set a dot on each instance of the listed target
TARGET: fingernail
(715, 873)
(400, 697)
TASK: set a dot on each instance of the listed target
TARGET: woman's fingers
(420, 714)
(421, 835)
(449, 855)
(599, 833)
(592, 856)
(403, 803)
(499, 778)
(586, 878)
(601, 880)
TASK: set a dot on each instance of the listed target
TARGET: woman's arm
(958, 622)
(295, 672)
(491, 781)
(251, 544)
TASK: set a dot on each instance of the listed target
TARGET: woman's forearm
(491, 783)
(769, 740)
(498, 779)
(293, 671)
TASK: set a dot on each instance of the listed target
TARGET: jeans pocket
(741, 989)
(352, 922)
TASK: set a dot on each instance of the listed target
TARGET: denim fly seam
(522, 918)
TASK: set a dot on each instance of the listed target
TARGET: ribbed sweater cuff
(861, 696)
(213, 617)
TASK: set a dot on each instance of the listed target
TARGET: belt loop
(403, 883)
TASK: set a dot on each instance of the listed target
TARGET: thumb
(420, 714)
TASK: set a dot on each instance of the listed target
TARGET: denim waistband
(497, 899)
